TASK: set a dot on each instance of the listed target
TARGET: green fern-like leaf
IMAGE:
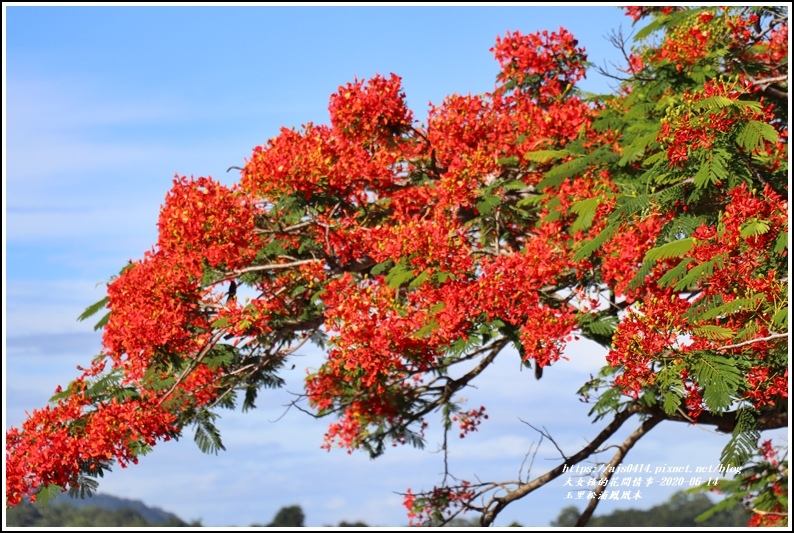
(701, 306)
(207, 437)
(603, 326)
(700, 272)
(671, 249)
(782, 242)
(642, 272)
(637, 147)
(754, 134)
(102, 322)
(382, 267)
(607, 403)
(720, 379)
(93, 309)
(780, 319)
(744, 440)
(586, 209)
(398, 275)
(594, 244)
(733, 306)
(653, 159)
(712, 168)
(630, 205)
(714, 102)
(675, 273)
(754, 227)
(85, 489)
(671, 387)
(47, 494)
(555, 176)
(714, 332)
(544, 156)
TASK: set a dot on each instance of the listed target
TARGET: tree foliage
(61, 514)
(653, 221)
(681, 510)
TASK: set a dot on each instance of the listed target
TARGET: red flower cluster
(426, 507)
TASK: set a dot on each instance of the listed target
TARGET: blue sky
(103, 105)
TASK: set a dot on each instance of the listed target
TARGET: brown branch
(273, 266)
(773, 79)
(285, 230)
(623, 449)
(725, 422)
(192, 365)
(752, 341)
(498, 503)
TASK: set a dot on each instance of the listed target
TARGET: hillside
(100, 510)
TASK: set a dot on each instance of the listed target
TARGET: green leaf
(586, 209)
(712, 169)
(720, 379)
(604, 326)
(207, 437)
(744, 440)
(221, 322)
(398, 275)
(93, 309)
(381, 267)
(712, 331)
(753, 135)
(698, 272)
(650, 28)
(514, 185)
(714, 102)
(671, 249)
(425, 330)
(442, 276)
(639, 277)
(781, 318)
(87, 486)
(508, 161)
(700, 306)
(594, 244)
(673, 275)
(544, 156)
(672, 400)
(488, 202)
(754, 227)
(637, 147)
(47, 494)
(607, 403)
(555, 176)
(655, 158)
(782, 242)
(728, 308)
(421, 278)
(102, 322)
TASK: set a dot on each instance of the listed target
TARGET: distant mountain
(100, 510)
(153, 515)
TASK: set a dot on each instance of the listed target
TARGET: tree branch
(492, 509)
(752, 341)
(623, 449)
(725, 422)
(273, 266)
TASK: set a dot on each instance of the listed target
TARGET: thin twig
(273, 266)
(752, 341)
(623, 449)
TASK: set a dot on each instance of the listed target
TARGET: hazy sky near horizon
(104, 105)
